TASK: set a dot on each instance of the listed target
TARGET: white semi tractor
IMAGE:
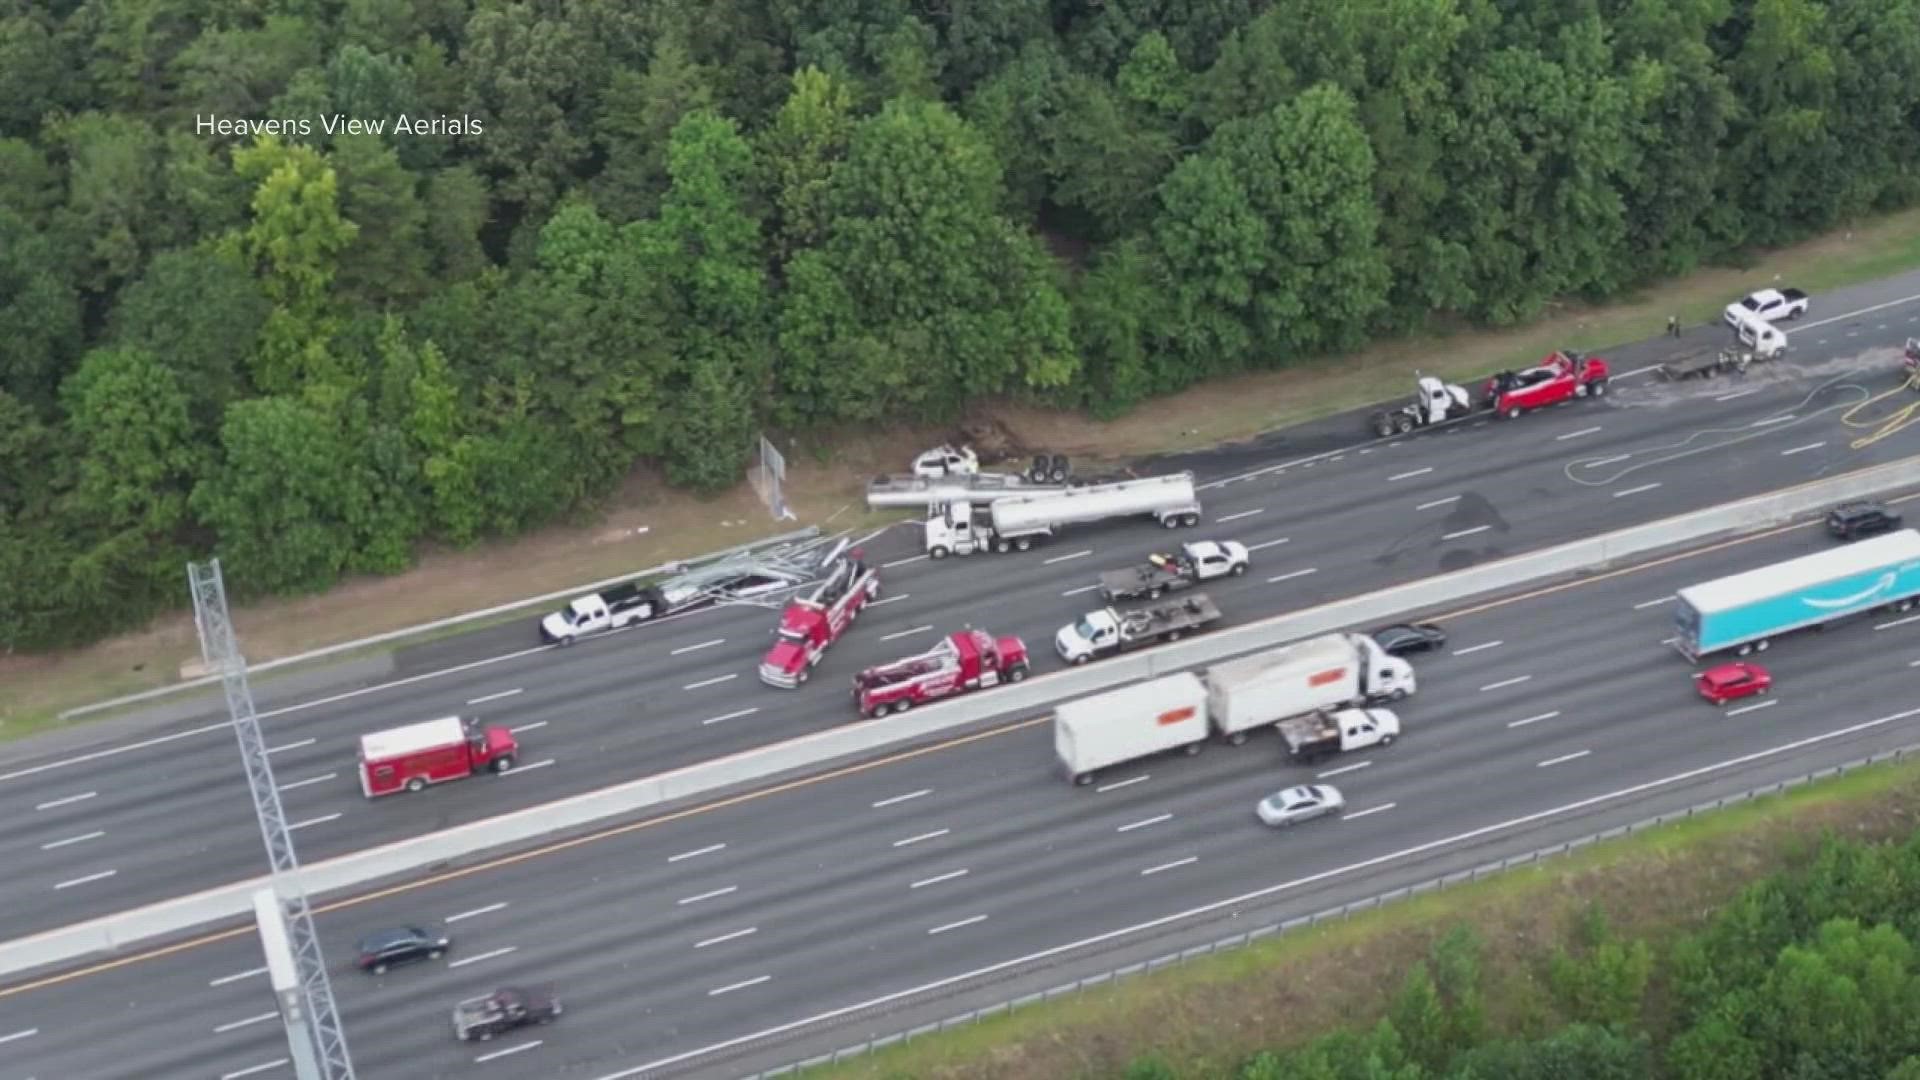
(1317, 694)
(962, 527)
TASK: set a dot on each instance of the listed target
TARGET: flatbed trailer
(1707, 361)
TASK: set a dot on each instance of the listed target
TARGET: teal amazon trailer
(1747, 611)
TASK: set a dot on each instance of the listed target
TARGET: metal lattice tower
(309, 1011)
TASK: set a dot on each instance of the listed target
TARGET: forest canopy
(621, 232)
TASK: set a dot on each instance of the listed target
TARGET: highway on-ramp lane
(167, 813)
(1549, 716)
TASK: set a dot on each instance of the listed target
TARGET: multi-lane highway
(1551, 715)
(166, 812)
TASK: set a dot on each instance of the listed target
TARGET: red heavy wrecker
(813, 622)
(968, 660)
(411, 757)
(1562, 376)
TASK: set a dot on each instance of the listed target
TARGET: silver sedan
(1298, 804)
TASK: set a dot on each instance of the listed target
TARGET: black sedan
(1403, 638)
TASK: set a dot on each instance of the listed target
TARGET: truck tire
(1081, 659)
(1512, 413)
(1001, 546)
(1386, 740)
(1238, 738)
(435, 954)
(379, 969)
(1058, 471)
(805, 674)
(503, 764)
(1191, 749)
(1399, 694)
(939, 552)
(1238, 570)
(1171, 635)
(1170, 522)
(1023, 543)
(1404, 424)
(1600, 388)
(1382, 426)
(486, 1034)
(1082, 779)
(1016, 674)
(1190, 520)
(1154, 593)
(565, 640)
(417, 784)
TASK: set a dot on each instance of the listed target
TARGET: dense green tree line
(1805, 976)
(666, 224)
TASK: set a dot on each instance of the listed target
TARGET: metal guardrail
(1342, 912)
(807, 533)
(818, 750)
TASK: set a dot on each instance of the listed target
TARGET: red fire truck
(813, 622)
(968, 660)
(411, 757)
(1560, 377)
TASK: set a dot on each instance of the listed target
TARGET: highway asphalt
(1550, 716)
(166, 813)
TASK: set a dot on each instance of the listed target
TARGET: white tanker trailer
(962, 527)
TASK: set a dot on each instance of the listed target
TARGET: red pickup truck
(1562, 376)
(968, 660)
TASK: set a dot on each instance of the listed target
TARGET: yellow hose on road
(1897, 422)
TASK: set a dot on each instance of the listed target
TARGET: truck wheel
(1170, 522)
(486, 1034)
(939, 553)
(434, 954)
(1744, 650)
(1058, 472)
(1023, 543)
(1580, 389)
(566, 640)
(1171, 635)
(1382, 426)
(1190, 520)
(1191, 749)
(1238, 570)
(1016, 674)
(1238, 738)
(805, 674)
(1002, 546)
(417, 784)
(1761, 645)
(503, 763)
(1600, 388)
(1082, 779)
(379, 969)
(1399, 694)
(1386, 740)
(1513, 413)
(1404, 424)
(1081, 659)
(1154, 593)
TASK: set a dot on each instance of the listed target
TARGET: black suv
(1851, 521)
(385, 949)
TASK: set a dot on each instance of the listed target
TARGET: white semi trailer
(1130, 723)
(1015, 523)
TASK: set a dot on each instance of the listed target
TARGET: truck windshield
(791, 635)
(1085, 629)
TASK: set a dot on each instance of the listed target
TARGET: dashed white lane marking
(1078, 591)
(484, 698)
(707, 896)
(1118, 784)
(937, 879)
(1614, 460)
(534, 726)
(253, 1069)
(1482, 647)
(237, 1024)
(1238, 516)
(1466, 532)
(1563, 759)
(906, 633)
(1065, 558)
(1645, 604)
(696, 853)
(1771, 420)
(497, 1054)
(291, 746)
(897, 799)
(735, 715)
(321, 820)
(518, 769)
(225, 979)
(1636, 490)
(81, 839)
(1515, 681)
(1174, 865)
(901, 562)
(477, 912)
(888, 600)
(1535, 719)
(101, 876)
(488, 955)
(737, 934)
(1438, 502)
(1564, 438)
(1143, 824)
(1803, 449)
(1269, 543)
(18, 1035)
(1410, 475)
(1358, 814)
(731, 987)
(934, 835)
(1295, 574)
(1342, 769)
(68, 801)
(957, 925)
(1767, 704)
(697, 648)
(1735, 394)
(1896, 622)
(710, 682)
(309, 781)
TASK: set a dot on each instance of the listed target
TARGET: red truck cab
(812, 623)
(1562, 376)
(411, 757)
(968, 660)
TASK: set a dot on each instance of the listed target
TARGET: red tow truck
(813, 622)
(411, 757)
(1562, 376)
(968, 660)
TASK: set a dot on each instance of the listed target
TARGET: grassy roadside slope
(649, 524)
(1206, 1016)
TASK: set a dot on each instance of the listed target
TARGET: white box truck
(1132, 722)
(1333, 671)
(1016, 522)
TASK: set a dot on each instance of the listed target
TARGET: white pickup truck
(1768, 305)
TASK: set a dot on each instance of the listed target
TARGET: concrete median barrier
(103, 937)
